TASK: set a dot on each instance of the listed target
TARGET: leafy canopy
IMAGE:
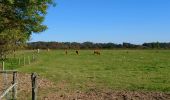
(19, 19)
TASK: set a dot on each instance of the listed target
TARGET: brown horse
(96, 52)
(77, 52)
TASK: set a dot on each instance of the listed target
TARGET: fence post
(14, 89)
(24, 60)
(28, 59)
(38, 50)
(19, 61)
(3, 65)
(34, 86)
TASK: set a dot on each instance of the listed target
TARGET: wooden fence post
(34, 86)
(3, 65)
(28, 59)
(24, 60)
(19, 61)
(14, 89)
(38, 50)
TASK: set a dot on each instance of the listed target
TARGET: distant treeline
(91, 45)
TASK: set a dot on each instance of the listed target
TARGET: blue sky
(134, 21)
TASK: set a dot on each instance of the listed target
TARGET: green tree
(18, 20)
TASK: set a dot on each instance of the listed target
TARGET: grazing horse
(96, 52)
(77, 52)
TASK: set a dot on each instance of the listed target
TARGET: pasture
(139, 70)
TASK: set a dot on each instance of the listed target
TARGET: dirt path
(51, 91)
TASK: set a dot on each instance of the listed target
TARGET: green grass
(142, 70)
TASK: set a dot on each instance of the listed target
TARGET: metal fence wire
(8, 85)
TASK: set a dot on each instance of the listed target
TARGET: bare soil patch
(48, 90)
(108, 95)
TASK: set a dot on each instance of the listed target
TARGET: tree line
(91, 45)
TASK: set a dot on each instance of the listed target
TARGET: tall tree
(19, 19)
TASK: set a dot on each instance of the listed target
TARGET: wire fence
(8, 76)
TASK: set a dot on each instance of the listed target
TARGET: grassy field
(142, 70)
